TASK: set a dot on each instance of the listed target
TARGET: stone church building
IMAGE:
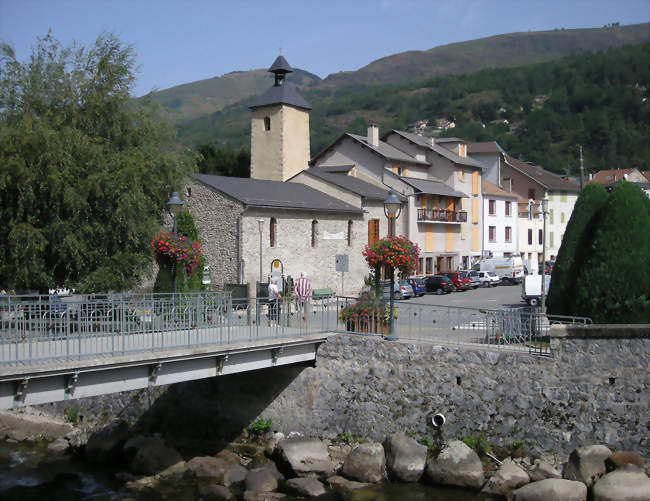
(299, 219)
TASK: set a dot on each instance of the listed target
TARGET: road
(494, 297)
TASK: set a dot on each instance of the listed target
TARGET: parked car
(510, 269)
(439, 284)
(418, 285)
(488, 278)
(531, 288)
(474, 281)
(460, 281)
(401, 289)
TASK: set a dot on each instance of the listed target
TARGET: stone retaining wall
(594, 390)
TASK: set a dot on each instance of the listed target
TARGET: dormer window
(267, 123)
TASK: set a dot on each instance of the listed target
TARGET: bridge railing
(41, 328)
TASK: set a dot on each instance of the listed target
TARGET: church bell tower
(279, 129)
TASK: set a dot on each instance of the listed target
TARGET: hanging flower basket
(367, 316)
(170, 248)
(398, 252)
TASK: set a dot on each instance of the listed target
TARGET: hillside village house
(608, 178)
(500, 222)
(531, 184)
(440, 183)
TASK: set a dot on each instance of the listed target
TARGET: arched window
(314, 232)
(267, 123)
(273, 228)
(349, 233)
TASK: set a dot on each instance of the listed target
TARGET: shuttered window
(373, 231)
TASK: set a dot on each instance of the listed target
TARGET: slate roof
(492, 189)
(484, 147)
(275, 194)
(440, 150)
(337, 168)
(280, 65)
(547, 179)
(432, 187)
(281, 94)
(357, 186)
(383, 149)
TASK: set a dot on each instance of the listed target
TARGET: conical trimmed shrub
(613, 281)
(578, 232)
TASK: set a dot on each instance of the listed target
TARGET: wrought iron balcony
(442, 215)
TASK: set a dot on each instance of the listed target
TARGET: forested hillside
(597, 100)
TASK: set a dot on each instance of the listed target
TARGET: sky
(183, 41)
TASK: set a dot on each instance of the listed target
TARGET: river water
(30, 472)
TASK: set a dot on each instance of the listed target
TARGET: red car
(460, 280)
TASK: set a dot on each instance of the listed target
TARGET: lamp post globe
(392, 210)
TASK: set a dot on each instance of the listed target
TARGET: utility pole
(582, 174)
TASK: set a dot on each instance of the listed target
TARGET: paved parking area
(492, 297)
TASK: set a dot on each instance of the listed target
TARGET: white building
(500, 222)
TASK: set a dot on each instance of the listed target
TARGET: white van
(508, 269)
(531, 288)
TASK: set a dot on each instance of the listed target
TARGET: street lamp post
(544, 211)
(392, 210)
(174, 204)
(260, 223)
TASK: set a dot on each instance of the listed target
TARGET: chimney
(432, 140)
(373, 134)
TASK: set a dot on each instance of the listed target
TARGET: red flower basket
(170, 248)
(398, 252)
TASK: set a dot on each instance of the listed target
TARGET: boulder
(221, 470)
(587, 464)
(264, 479)
(366, 463)
(551, 489)
(628, 483)
(507, 478)
(105, 445)
(153, 455)
(457, 465)
(622, 458)
(344, 487)
(59, 445)
(22, 425)
(338, 452)
(307, 457)
(308, 487)
(273, 438)
(405, 458)
(543, 470)
(216, 492)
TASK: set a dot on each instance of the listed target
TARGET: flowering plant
(398, 252)
(170, 247)
(367, 311)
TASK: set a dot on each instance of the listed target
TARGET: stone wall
(595, 390)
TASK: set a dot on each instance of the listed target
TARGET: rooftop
(276, 194)
(547, 179)
(349, 183)
(440, 150)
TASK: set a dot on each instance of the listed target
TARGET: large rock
(622, 458)
(587, 464)
(105, 445)
(457, 465)
(308, 487)
(220, 469)
(153, 456)
(543, 470)
(307, 457)
(366, 463)
(551, 489)
(508, 477)
(405, 458)
(263, 496)
(264, 479)
(20, 425)
(628, 483)
(344, 487)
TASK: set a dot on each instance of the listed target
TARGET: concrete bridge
(55, 349)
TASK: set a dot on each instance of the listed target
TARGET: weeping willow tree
(84, 171)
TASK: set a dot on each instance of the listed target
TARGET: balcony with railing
(442, 216)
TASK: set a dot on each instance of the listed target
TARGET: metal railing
(442, 215)
(41, 328)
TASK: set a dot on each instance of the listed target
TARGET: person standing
(274, 302)
(302, 290)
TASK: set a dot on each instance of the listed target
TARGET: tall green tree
(613, 281)
(574, 249)
(84, 172)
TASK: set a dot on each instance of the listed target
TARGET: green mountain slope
(597, 100)
(512, 49)
(203, 97)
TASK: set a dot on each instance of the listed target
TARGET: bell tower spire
(279, 128)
